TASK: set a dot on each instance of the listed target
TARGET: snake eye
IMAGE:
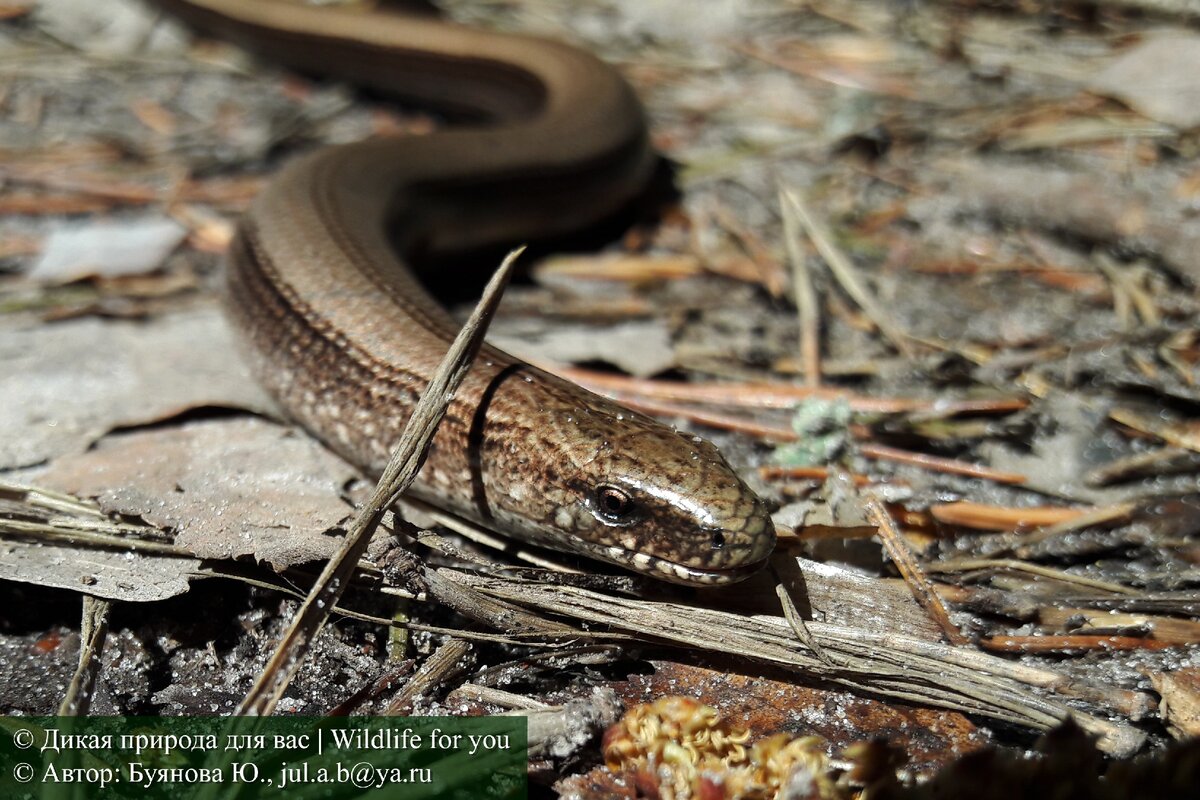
(718, 540)
(613, 504)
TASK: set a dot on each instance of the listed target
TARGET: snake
(323, 291)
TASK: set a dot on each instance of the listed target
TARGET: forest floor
(988, 215)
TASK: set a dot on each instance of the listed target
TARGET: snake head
(668, 503)
(621, 487)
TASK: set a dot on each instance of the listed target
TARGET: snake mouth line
(672, 571)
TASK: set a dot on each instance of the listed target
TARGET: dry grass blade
(236, 574)
(87, 534)
(1071, 643)
(473, 532)
(1128, 294)
(1137, 465)
(846, 274)
(399, 474)
(807, 308)
(972, 564)
(791, 613)
(1188, 9)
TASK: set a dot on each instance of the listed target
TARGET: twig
(807, 473)
(902, 556)
(891, 665)
(783, 590)
(1128, 296)
(712, 419)
(1188, 9)
(1139, 465)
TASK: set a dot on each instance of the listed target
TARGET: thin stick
(902, 556)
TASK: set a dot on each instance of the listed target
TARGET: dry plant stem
(1120, 290)
(384, 684)
(902, 556)
(1180, 603)
(889, 665)
(1188, 9)
(847, 275)
(777, 433)
(1162, 629)
(399, 474)
(490, 611)
(769, 271)
(711, 419)
(807, 308)
(92, 632)
(446, 662)
(792, 615)
(51, 500)
(82, 532)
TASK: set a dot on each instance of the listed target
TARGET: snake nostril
(718, 540)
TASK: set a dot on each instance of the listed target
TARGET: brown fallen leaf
(67, 384)
(229, 488)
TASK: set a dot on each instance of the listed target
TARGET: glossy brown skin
(343, 335)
